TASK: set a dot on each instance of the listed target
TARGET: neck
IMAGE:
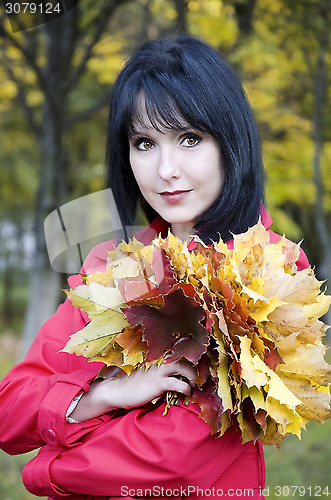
(182, 231)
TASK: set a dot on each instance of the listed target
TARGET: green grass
(11, 485)
(304, 463)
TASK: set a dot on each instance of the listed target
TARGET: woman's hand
(137, 389)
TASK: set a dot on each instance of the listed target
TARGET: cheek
(143, 170)
(214, 174)
(143, 180)
(136, 168)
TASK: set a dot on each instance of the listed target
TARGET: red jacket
(114, 457)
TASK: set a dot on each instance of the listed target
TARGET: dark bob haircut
(184, 80)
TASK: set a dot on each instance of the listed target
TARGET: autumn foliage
(245, 317)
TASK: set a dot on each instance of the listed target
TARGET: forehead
(162, 115)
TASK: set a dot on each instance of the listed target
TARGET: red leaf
(203, 367)
(176, 327)
(210, 404)
(261, 418)
(271, 356)
(250, 418)
(164, 275)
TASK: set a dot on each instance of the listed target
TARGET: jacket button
(50, 437)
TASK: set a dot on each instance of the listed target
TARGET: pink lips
(174, 196)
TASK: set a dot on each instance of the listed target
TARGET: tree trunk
(61, 37)
(244, 10)
(181, 8)
(44, 289)
(146, 20)
(320, 81)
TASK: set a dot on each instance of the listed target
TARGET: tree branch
(319, 99)
(98, 24)
(87, 113)
(27, 54)
(29, 114)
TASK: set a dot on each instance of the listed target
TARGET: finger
(189, 372)
(181, 368)
(177, 385)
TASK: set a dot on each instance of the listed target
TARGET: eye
(144, 145)
(191, 140)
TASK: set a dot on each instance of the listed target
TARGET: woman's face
(179, 172)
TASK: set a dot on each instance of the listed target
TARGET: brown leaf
(210, 404)
(176, 327)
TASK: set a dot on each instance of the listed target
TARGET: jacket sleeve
(144, 448)
(35, 394)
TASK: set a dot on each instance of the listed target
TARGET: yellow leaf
(126, 267)
(306, 361)
(277, 390)
(280, 403)
(260, 310)
(318, 308)
(96, 337)
(105, 279)
(256, 396)
(315, 403)
(285, 417)
(224, 390)
(113, 357)
(95, 298)
(251, 373)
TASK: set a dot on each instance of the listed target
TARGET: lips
(174, 196)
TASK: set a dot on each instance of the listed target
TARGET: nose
(169, 167)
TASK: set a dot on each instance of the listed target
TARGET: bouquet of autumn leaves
(246, 318)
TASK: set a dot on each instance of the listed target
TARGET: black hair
(183, 79)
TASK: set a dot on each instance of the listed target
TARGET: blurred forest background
(55, 82)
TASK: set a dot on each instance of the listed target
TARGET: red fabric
(113, 457)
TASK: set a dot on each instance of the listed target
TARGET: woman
(183, 144)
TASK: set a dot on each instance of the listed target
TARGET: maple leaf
(210, 405)
(102, 304)
(224, 382)
(130, 339)
(176, 327)
(95, 298)
(315, 399)
(271, 355)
